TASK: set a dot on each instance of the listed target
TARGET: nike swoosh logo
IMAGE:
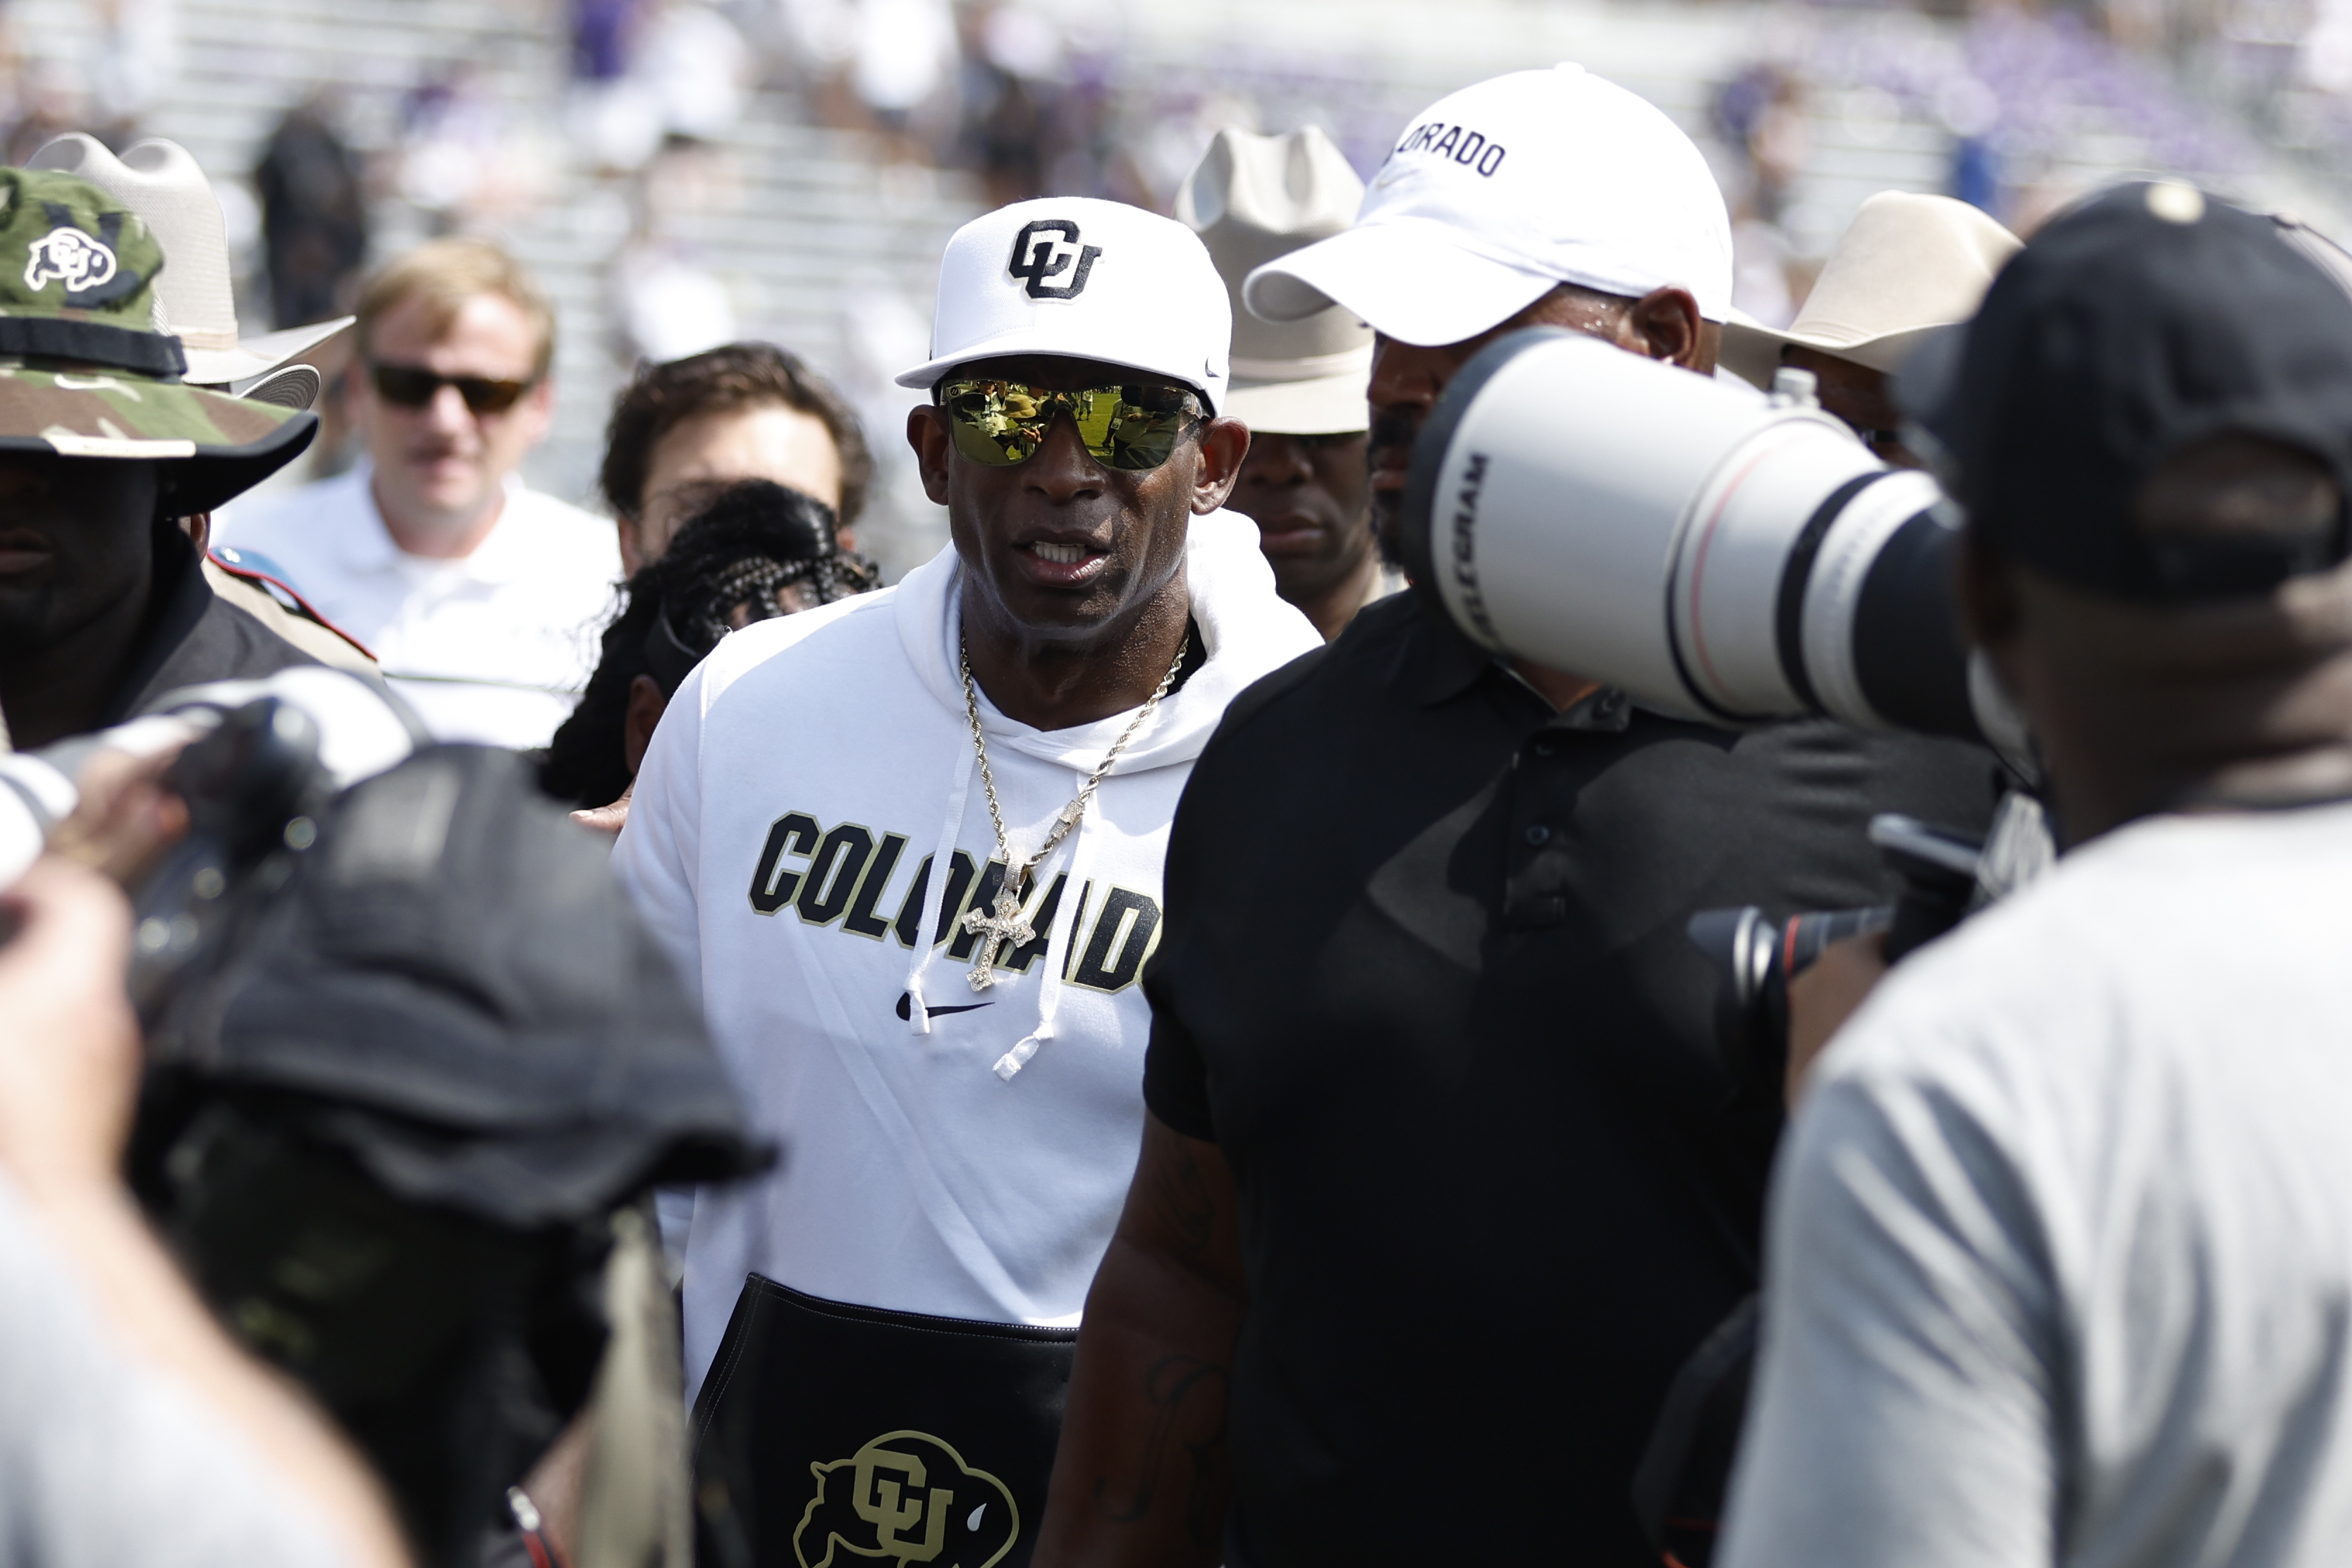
(906, 1007)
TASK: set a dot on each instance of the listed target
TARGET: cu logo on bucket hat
(1033, 265)
(69, 256)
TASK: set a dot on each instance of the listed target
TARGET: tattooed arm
(1141, 1476)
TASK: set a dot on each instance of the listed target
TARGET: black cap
(460, 992)
(2149, 319)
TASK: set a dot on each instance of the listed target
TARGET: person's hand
(68, 1041)
(1825, 995)
(126, 818)
(607, 819)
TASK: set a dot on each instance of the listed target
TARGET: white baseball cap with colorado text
(1087, 279)
(1498, 193)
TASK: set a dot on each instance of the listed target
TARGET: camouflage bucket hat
(88, 365)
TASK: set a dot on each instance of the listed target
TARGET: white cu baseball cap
(1087, 279)
(1500, 192)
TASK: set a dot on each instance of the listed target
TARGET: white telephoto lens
(1714, 553)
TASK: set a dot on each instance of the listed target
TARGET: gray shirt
(2059, 1267)
(107, 1461)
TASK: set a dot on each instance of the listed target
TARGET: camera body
(1755, 957)
(253, 786)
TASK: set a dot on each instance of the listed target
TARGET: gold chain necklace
(1006, 927)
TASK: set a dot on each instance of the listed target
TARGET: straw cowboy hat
(161, 182)
(1907, 268)
(1255, 198)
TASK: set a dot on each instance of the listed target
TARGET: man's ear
(1667, 324)
(1223, 445)
(633, 553)
(927, 433)
(1991, 610)
(647, 705)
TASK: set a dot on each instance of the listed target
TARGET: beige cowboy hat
(1907, 268)
(1255, 198)
(161, 182)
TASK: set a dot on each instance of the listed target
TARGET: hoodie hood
(1248, 629)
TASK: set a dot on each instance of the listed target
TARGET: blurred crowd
(1172, 1024)
(646, 162)
(2029, 107)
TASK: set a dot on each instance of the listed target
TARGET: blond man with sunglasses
(909, 846)
(479, 595)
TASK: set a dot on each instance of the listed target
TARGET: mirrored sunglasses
(1001, 423)
(413, 386)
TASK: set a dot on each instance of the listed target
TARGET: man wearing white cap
(1445, 1174)
(1907, 270)
(983, 760)
(1299, 385)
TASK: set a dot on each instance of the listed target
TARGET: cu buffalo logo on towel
(909, 1498)
(1039, 257)
(69, 256)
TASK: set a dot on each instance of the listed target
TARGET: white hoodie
(946, 1152)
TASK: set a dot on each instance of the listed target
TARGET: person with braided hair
(748, 552)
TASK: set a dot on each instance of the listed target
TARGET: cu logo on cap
(69, 256)
(1037, 260)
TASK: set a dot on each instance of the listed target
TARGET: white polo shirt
(495, 648)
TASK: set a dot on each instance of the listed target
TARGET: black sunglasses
(413, 386)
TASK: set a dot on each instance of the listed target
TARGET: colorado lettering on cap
(1458, 142)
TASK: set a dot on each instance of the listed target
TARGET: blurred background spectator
(741, 411)
(314, 221)
(687, 173)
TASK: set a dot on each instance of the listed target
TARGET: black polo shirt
(1425, 982)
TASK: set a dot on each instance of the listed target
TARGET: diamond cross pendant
(1005, 927)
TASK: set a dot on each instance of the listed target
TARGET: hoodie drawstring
(927, 936)
(1057, 954)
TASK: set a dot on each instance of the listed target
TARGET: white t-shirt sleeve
(1903, 1408)
(106, 1460)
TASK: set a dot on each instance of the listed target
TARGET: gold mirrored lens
(995, 422)
(1001, 423)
